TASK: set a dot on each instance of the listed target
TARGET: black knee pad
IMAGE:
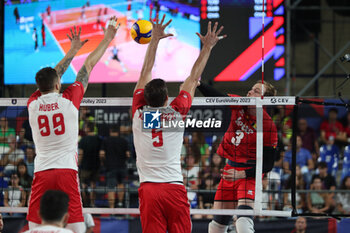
(223, 219)
(244, 207)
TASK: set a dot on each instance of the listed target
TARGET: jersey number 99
(58, 124)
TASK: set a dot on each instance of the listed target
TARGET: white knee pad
(245, 225)
(215, 227)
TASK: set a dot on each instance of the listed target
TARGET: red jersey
(331, 129)
(239, 142)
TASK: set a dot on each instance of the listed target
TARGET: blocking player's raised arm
(76, 45)
(208, 41)
(148, 63)
(94, 57)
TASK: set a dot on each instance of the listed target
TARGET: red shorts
(65, 180)
(235, 190)
(164, 207)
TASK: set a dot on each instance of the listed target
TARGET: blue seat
(346, 163)
(330, 155)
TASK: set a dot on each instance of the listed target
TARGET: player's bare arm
(76, 45)
(208, 41)
(83, 77)
(158, 33)
(94, 57)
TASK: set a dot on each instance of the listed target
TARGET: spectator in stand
(15, 196)
(216, 143)
(300, 197)
(304, 160)
(283, 124)
(328, 181)
(30, 155)
(89, 161)
(27, 131)
(213, 170)
(300, 225)
(113, 155)
(84, 117)
(209, 179)
(332, 129)
(5, 133)
(191, 171)
(3, 185)
(343, 199)
(198, 139)
(309, 138)
(318, 202)
(22, 142)
(12, 157)
(206, 199)
(25, 180)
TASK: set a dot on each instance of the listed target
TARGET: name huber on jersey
(48, 107)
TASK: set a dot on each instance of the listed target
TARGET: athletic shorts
(164, 208)
(88, 176)
(235, 190)
(65, 180)
(115, 177)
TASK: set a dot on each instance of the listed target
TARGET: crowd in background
(108, 163)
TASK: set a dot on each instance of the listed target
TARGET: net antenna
(262, 49)
(198, 101)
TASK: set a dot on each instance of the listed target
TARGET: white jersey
(54, 119)
(158, 151)
(48, 229)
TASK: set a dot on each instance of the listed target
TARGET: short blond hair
(270, 90)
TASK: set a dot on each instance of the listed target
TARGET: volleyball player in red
(237, 186)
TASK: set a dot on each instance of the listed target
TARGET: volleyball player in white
(164, 205)
(53, 118)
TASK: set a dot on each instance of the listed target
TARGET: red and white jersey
(239, 142)
(53, 118)
(49, 229)
(158, 150)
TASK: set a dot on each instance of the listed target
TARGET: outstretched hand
(212, 36)
(75, 39)
(158, 28)
(112, 28)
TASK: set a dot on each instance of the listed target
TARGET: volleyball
(141, 31)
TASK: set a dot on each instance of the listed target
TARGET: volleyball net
(113, 190)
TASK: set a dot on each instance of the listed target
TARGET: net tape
(197, 101)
